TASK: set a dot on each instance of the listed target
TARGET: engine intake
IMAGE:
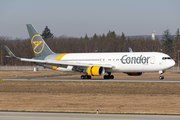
(134, 73)
(95, 70)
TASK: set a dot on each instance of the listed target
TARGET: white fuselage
(121, 61)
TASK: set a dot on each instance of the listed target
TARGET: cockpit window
(166, 58)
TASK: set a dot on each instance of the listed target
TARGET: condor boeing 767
(96, 64)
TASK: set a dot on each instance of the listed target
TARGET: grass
(107, 97)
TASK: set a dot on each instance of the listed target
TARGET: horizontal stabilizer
(10, 53)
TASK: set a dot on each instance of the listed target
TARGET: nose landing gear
(162, 75)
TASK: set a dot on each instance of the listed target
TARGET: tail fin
(39, 46)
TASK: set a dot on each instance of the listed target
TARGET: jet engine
(134, 73)
(95, 71)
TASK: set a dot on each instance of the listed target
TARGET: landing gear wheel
(108, 76)
(82, 77)
(111, 76)
(161, 77)
(88, 77)
(85, 77)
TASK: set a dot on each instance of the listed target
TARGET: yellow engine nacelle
(134, 73)
(95, 70)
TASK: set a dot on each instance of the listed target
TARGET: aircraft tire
(88, 77)
(82, 77)
(161, 77)
(85, 77)
(108, 76)
(105, 76)
(112, 77)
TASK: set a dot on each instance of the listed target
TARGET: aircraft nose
(172, 63)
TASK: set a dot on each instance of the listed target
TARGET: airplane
(96, 64)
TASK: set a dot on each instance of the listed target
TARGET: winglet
(10, 53)
(130, 50)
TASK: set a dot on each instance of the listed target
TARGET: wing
(55, 62)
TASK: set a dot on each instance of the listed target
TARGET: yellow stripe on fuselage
(61, 56)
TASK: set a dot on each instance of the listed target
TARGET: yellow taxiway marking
(67, 118)
(0, 80)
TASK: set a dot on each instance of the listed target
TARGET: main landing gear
(85, 77)
(162, 75)
(109, 76)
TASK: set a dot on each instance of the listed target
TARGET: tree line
(169, 44)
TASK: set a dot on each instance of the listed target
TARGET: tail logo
(37, 44)
(10, 53)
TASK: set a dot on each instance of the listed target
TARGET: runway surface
(68, 116)
(97, 80)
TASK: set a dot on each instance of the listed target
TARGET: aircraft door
(102, 60)
(152, 59)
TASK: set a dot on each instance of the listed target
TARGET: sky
(75, 18)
